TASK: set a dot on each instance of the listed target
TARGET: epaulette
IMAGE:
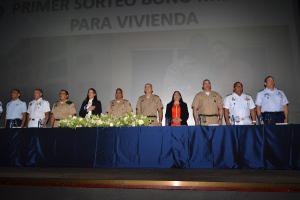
(69, 102)
(55, 104)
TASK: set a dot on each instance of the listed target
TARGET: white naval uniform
(15, 109)
(1, 109)
(239, 108)
(271, 100)
(36, 111)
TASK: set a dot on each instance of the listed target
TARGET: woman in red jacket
(177, 112)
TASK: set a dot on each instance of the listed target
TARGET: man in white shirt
(272, 104)
(239, 108)
(38, 111)
(15, 111)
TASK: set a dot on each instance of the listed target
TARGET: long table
(258, 147)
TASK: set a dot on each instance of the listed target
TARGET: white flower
(105, 120)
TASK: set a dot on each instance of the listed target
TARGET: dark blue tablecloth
(260, 147)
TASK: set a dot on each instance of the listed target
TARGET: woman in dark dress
(177, 112)
(91, 105)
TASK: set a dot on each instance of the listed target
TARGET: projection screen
(175, 45)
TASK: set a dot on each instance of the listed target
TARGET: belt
(35, 119)
(240, 118)
(57, 119)
(151, 116)
(279, 112)
(213, 115)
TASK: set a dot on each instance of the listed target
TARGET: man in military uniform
(239, 108)
(207, 106)
(38, 111)
(62, 109)
(150, 105)
(119, 106)
(272, 104)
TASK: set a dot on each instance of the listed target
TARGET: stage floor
(212, 180)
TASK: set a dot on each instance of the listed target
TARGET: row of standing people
(208, 107)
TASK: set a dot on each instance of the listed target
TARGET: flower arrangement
(130, 120)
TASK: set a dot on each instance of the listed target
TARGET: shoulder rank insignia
(69, 102)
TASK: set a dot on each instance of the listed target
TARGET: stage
(185, 179)
(64, 183)
(216, 162)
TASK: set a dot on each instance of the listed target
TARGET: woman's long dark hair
(180, 100)
(87, 96)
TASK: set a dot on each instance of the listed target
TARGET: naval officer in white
(38, 111)
(15, 110)
(239, 108)
(272, 104)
